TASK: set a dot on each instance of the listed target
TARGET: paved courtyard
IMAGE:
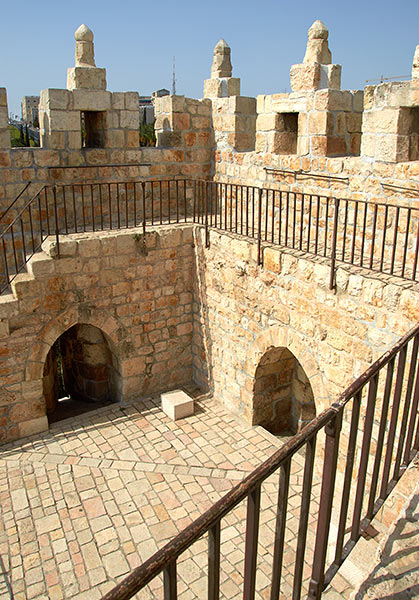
(84, 503)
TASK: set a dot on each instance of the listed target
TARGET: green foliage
(147, 134)
(16, 140)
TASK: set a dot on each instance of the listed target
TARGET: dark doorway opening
(282, 396)
(80, 373)
(287, 133)
(93, 129)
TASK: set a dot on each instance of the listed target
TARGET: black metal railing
(380, 408)
(379, 237)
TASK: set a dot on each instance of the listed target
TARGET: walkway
(84, 503)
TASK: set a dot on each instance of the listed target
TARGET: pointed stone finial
(221, 63)
(317, 45)
(85, 53)
(415, 67)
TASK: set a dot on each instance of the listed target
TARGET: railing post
(260, 226)
(333, 250)
(207, 243)
(332, 431)
(214, 540)
(57, 233)
(251, 543)
(170, 581)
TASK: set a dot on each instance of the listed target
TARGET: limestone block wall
(350, 177)
(111, 120)
(390, 126)
(319, 123)
(184, 123)
(241, 311)
(234, 123)
(40, 166)
(180, 311)
(141, 302)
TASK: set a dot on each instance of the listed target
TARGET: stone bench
(177, 404)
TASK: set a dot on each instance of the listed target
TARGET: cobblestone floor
(96, 495)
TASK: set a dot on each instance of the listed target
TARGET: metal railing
(380, 408)
(379, 237)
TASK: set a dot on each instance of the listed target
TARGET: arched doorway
(283, 399)
(81, 373)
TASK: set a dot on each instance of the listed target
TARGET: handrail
(15, 200)
(22, 210)
(380, 237)
(140, 576)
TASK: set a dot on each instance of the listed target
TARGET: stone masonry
(225, 297)
(109, 120)
(142, 304)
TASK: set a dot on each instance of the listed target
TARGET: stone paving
(84, 503)
(396, 573)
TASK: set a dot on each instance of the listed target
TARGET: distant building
(146, 105)
(30, 109)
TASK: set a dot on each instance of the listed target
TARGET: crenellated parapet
(233, 116)
(390, 125)
(86, 115)
(317, 118)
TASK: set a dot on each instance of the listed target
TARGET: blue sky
(136, 41)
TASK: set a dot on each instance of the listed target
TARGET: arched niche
(81, 365)
(283, 400)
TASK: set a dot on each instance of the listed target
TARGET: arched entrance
(283, 399)
(81, 373)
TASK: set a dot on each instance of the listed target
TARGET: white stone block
(177, 404)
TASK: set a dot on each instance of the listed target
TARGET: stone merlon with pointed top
(85, 74)
(221, 62)
(316, 71)
(317, 45)
(85, 53)
(221, 84)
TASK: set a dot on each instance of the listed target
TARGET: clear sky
(136, 41)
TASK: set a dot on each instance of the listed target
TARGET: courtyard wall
(173, 310)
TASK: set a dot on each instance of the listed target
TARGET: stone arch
(115, 334)
(282, 337)
(283, 400)
(83, 367)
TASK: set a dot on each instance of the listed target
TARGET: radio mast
(174, 78)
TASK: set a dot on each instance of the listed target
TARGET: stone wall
(60, 119)
(390, 126)
(140, 299)
(184, 123)
(321, 123)
(348, 177)
(242, 311)
(39, 166)
(171, 313)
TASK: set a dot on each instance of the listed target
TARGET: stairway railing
(376, 408)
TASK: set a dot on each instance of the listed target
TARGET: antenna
(174, 77)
